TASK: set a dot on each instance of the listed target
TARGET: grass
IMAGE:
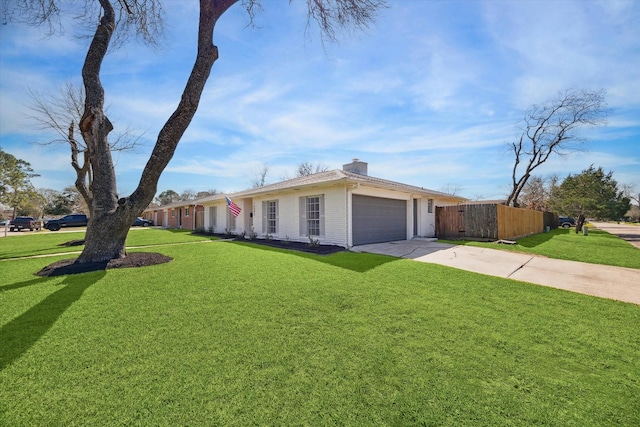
(237, 334)
(598, 247)
(15, 246)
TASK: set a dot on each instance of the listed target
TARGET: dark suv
(73, 220)
(566, 222)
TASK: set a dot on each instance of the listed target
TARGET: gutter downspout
(346, 208)
(349, 216)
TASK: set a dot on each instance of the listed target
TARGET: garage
(376, 219)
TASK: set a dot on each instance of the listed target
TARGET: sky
(431, 94)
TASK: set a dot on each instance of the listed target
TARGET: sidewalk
(618, 283)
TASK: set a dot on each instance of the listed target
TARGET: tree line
(592, 193)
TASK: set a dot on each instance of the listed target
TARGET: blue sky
(429, 95)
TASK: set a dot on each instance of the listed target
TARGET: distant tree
(187, 194)
(592, 193)
(207, 193)
(167, 197)
(79, 204)
(113, 21)
(450, 189)
(33, 203)
(535, 194)
(64, 202)
(259, 178)
(552, 128)
(630, 191)
(633, 214)
(15, 182)
(308, 168)
(55, 202)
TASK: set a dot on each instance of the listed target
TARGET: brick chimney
(356, 166)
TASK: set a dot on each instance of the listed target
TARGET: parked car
(73, 220)
(141, 222)
(566, 222)
(24, 223)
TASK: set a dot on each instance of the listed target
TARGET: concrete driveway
(604, 281)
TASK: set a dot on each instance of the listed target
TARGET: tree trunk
(580, 223)
(110, 217)
(99, 248)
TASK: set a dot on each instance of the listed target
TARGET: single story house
(339, 207)
(182, 215)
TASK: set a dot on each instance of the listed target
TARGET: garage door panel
(377, 219)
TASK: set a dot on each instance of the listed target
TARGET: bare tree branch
(260, 176)
(54, 112)
(552, 128)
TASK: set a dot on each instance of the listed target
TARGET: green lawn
(15, 246)
(236, 334)
(597, 247)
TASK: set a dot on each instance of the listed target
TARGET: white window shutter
(303, 216)
(264, 217)
(321, 215)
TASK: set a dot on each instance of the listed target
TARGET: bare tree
(629, 191)
(308, 168)
(62, 112)
(111, 216)
(260, 176)
(450, 189)
(552, 128)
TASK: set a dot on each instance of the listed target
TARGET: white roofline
(323, 179)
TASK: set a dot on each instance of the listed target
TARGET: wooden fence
(486, 222)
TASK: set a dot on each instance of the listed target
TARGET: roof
(323, 179)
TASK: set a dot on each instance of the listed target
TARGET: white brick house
(339, 207)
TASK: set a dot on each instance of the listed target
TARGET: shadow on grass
(353, 261)
(23, 284)
(32, 252)
(539, 239)
(20, 334)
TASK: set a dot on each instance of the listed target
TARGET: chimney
(356, 166)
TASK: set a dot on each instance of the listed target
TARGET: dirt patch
(133, 259)
(297, 246)
(317, 249)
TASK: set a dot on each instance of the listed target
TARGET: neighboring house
(186, 215)
(339, 207)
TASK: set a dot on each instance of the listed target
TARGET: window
(270, 213)
(186, 211)
(430, 205)
(312, 216)
(173, 213)
(213, 213)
